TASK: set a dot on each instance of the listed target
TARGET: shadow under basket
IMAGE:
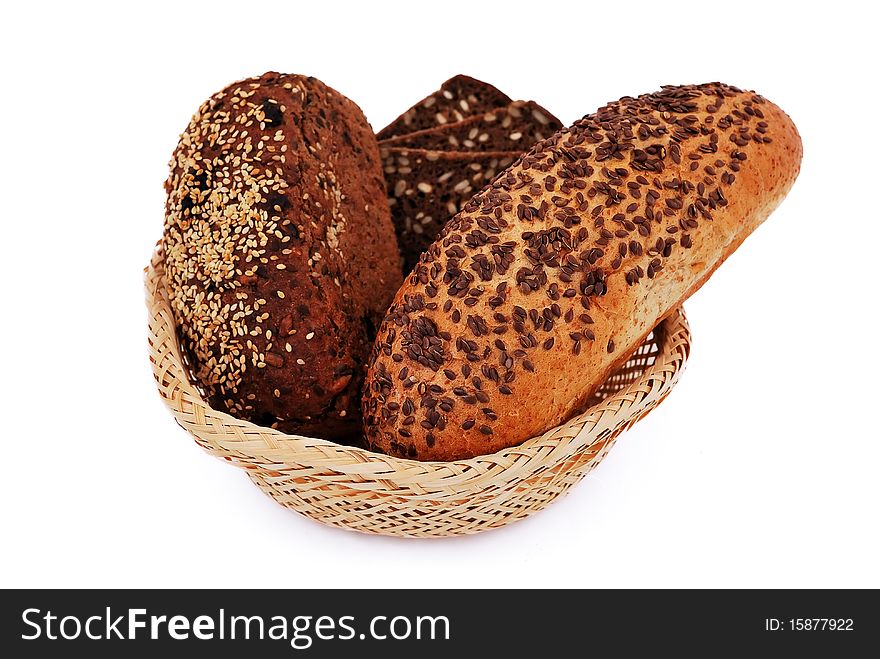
(369, 492)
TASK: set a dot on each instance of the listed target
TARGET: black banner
(319, 623)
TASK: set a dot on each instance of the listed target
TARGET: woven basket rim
(281, 449)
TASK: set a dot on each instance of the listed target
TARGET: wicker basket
(374, 493)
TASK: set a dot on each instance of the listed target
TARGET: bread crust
(515, 127)
(280, 255)
(550, 277)
(459, 97)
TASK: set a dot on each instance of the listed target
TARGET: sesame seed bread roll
(280, 255)
(550, 277)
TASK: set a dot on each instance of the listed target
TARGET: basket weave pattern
(357, 489)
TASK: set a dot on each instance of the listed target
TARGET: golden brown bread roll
(551, 276)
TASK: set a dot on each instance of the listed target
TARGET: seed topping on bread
(260, 252)
(602, 199)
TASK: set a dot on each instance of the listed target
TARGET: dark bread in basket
(280, 255)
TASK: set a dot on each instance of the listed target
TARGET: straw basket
(374, 493)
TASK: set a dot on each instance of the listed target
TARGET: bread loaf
(280, 256)
(457, 98)
(552, 275)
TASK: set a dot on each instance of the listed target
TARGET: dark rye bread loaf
(551, 276)
(280, 256)
(457, 98)
(515, 127)
(426, 188)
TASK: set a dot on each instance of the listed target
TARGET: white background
(761, 469)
